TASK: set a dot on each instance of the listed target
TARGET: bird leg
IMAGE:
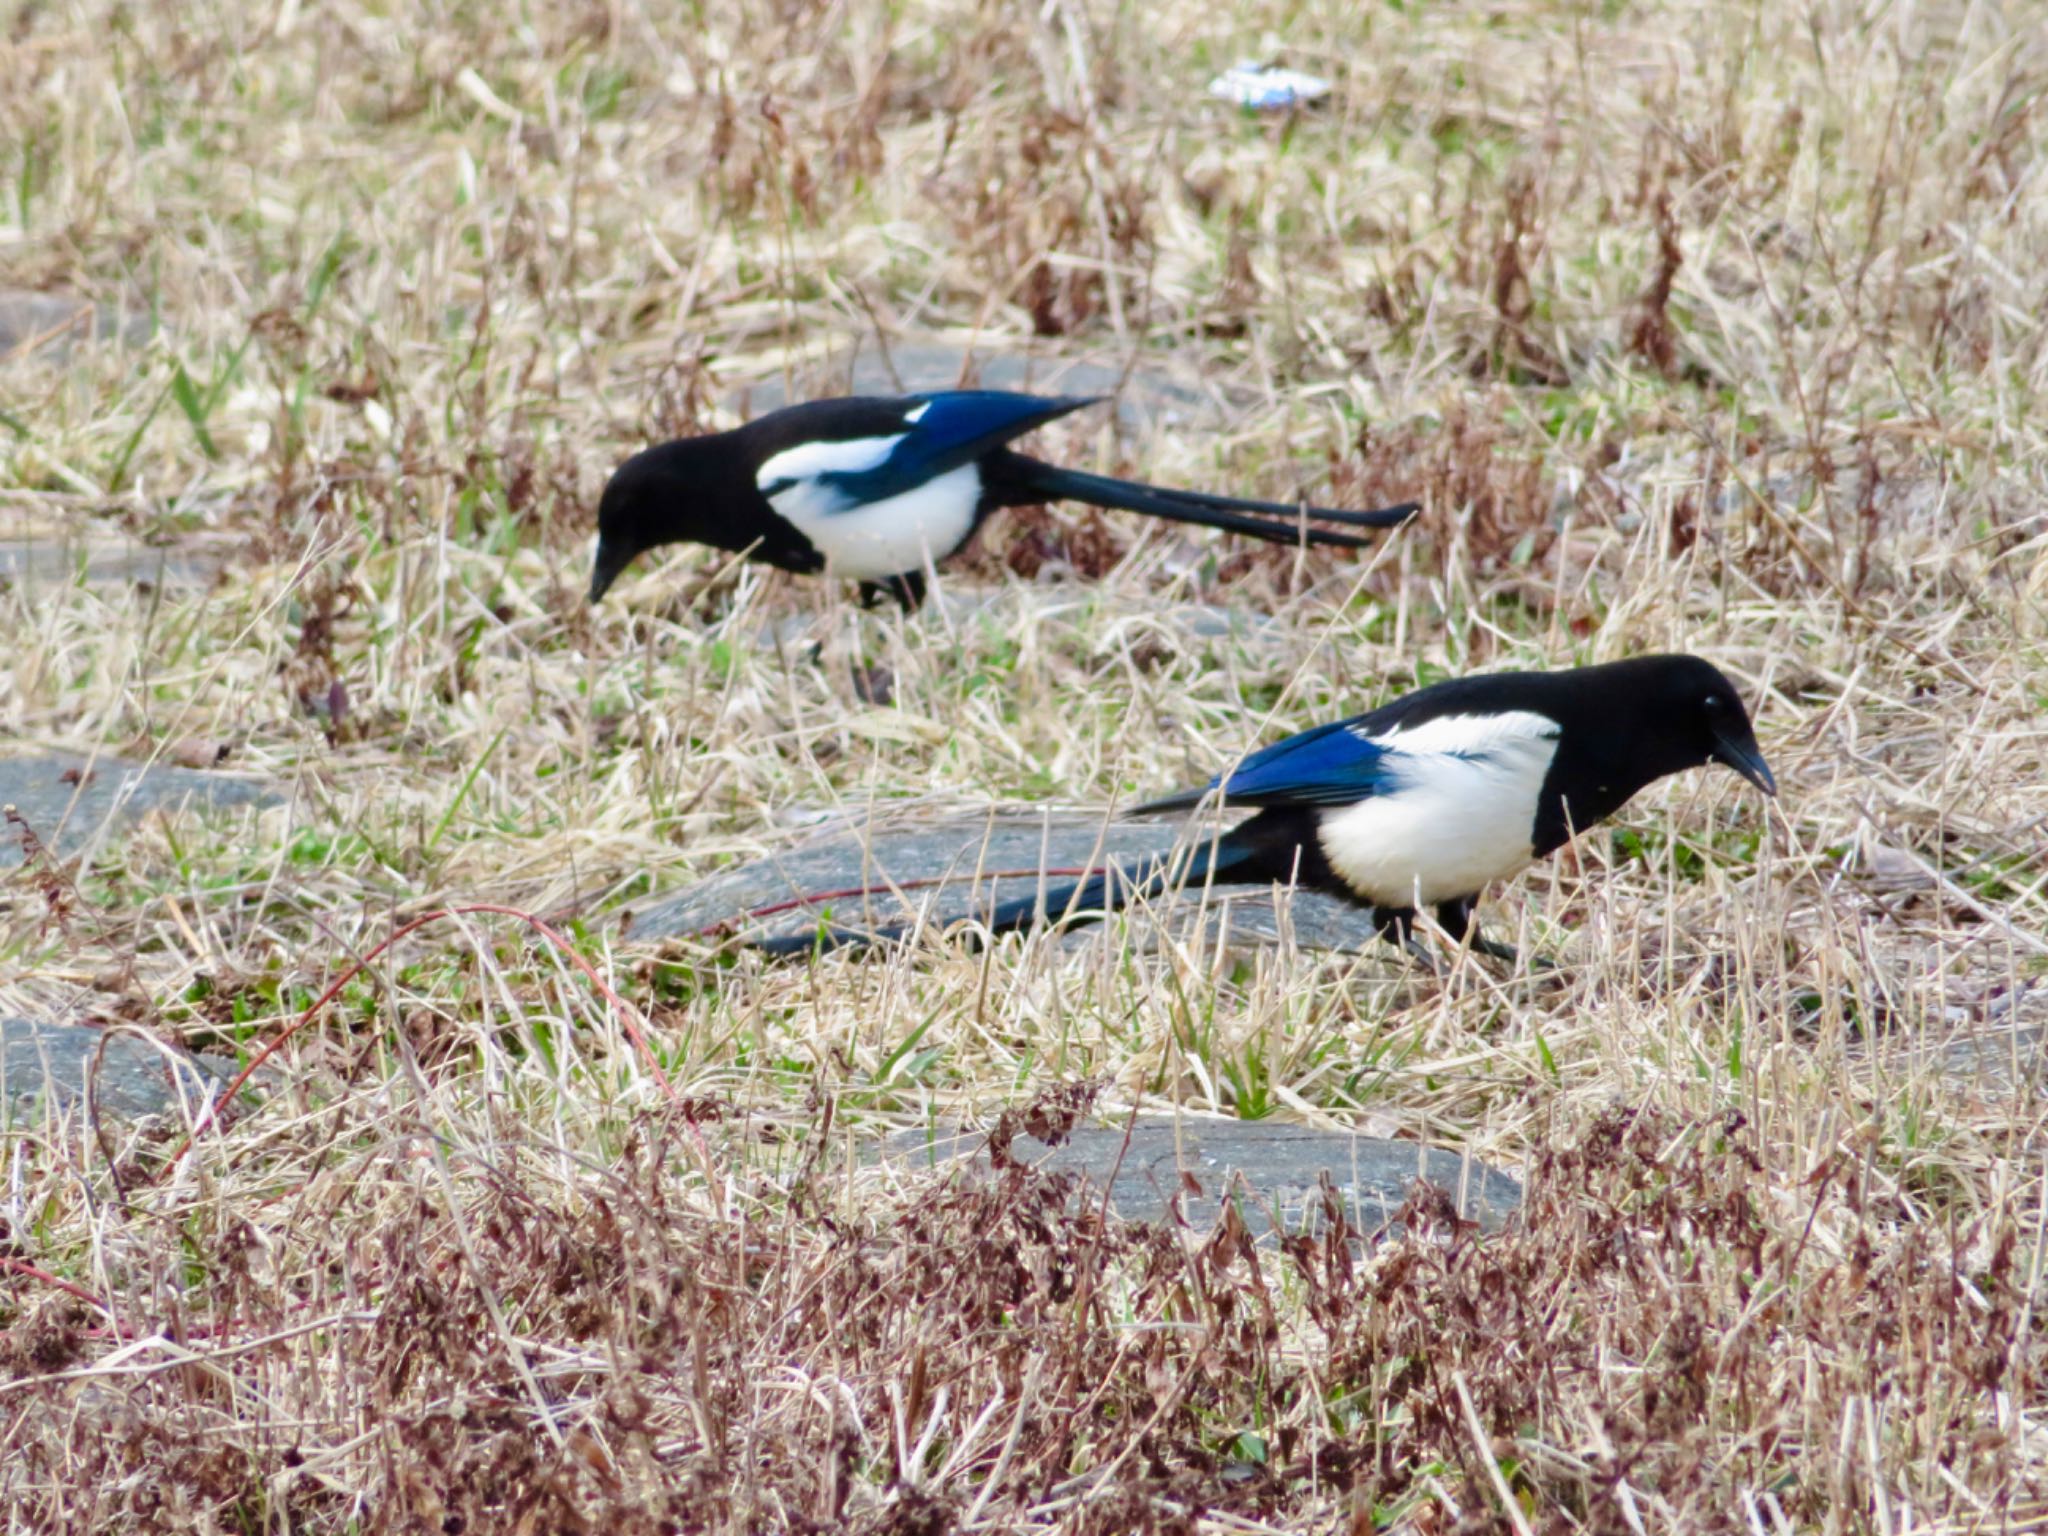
(1397, 926)
(908, 589)
(1494, 949)
(1459, 919)
(1418, 951)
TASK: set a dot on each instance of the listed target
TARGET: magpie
(1427, 800)
(878, 490)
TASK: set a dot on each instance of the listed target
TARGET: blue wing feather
(953, 427)
(1349, 760)
(1329, 765)
(1334, 764)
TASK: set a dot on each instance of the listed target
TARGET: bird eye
(1714, 701)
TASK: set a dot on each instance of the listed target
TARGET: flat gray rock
(45, 1063)
(960, 604)
(1272, 1171)
(51, 324)
(936, 868)
(98, 562)
(1145, 397)
(70, 802)
(2004, 1050)
(1993, 1033)
(2006, 1057)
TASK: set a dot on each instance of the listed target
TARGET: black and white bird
(880, 491)
(1426, 801)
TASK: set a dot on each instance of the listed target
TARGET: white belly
(1458, 814)
(884, 538)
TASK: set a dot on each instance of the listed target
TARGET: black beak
(604, 570)
(1746, 759)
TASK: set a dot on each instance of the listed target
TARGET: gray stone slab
(961, 604)
(935, 868)
(1992, 1033)
(46, 1063)
(69, 802)
(98, 562)
(1271, 1170)
(2004, 1047)
(2006, 1056)
(1145, 396)
(51, 324)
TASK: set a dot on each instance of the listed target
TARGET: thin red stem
(70, 1287)
(618, 1003)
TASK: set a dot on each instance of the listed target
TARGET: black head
(1628, 724)
(666, 495)
(1687, 715)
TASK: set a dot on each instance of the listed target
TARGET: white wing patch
(806, 461)
(1471, 735)
(877, 539)
(1459, 811)
(912, 418)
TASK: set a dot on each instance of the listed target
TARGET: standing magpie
(1425, 801)
(879, 490)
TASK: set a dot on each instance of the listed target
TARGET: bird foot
(1420, 954)
(1494, 949)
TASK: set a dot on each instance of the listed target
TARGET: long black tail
(1086, 900)
(1015, 480)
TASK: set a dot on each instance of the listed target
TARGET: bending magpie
(877, 490)
(1427, 800)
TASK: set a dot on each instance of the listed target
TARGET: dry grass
(1714, 327)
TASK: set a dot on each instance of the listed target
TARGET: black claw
(1493, 949)
(906, 590)
(1419, 953)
